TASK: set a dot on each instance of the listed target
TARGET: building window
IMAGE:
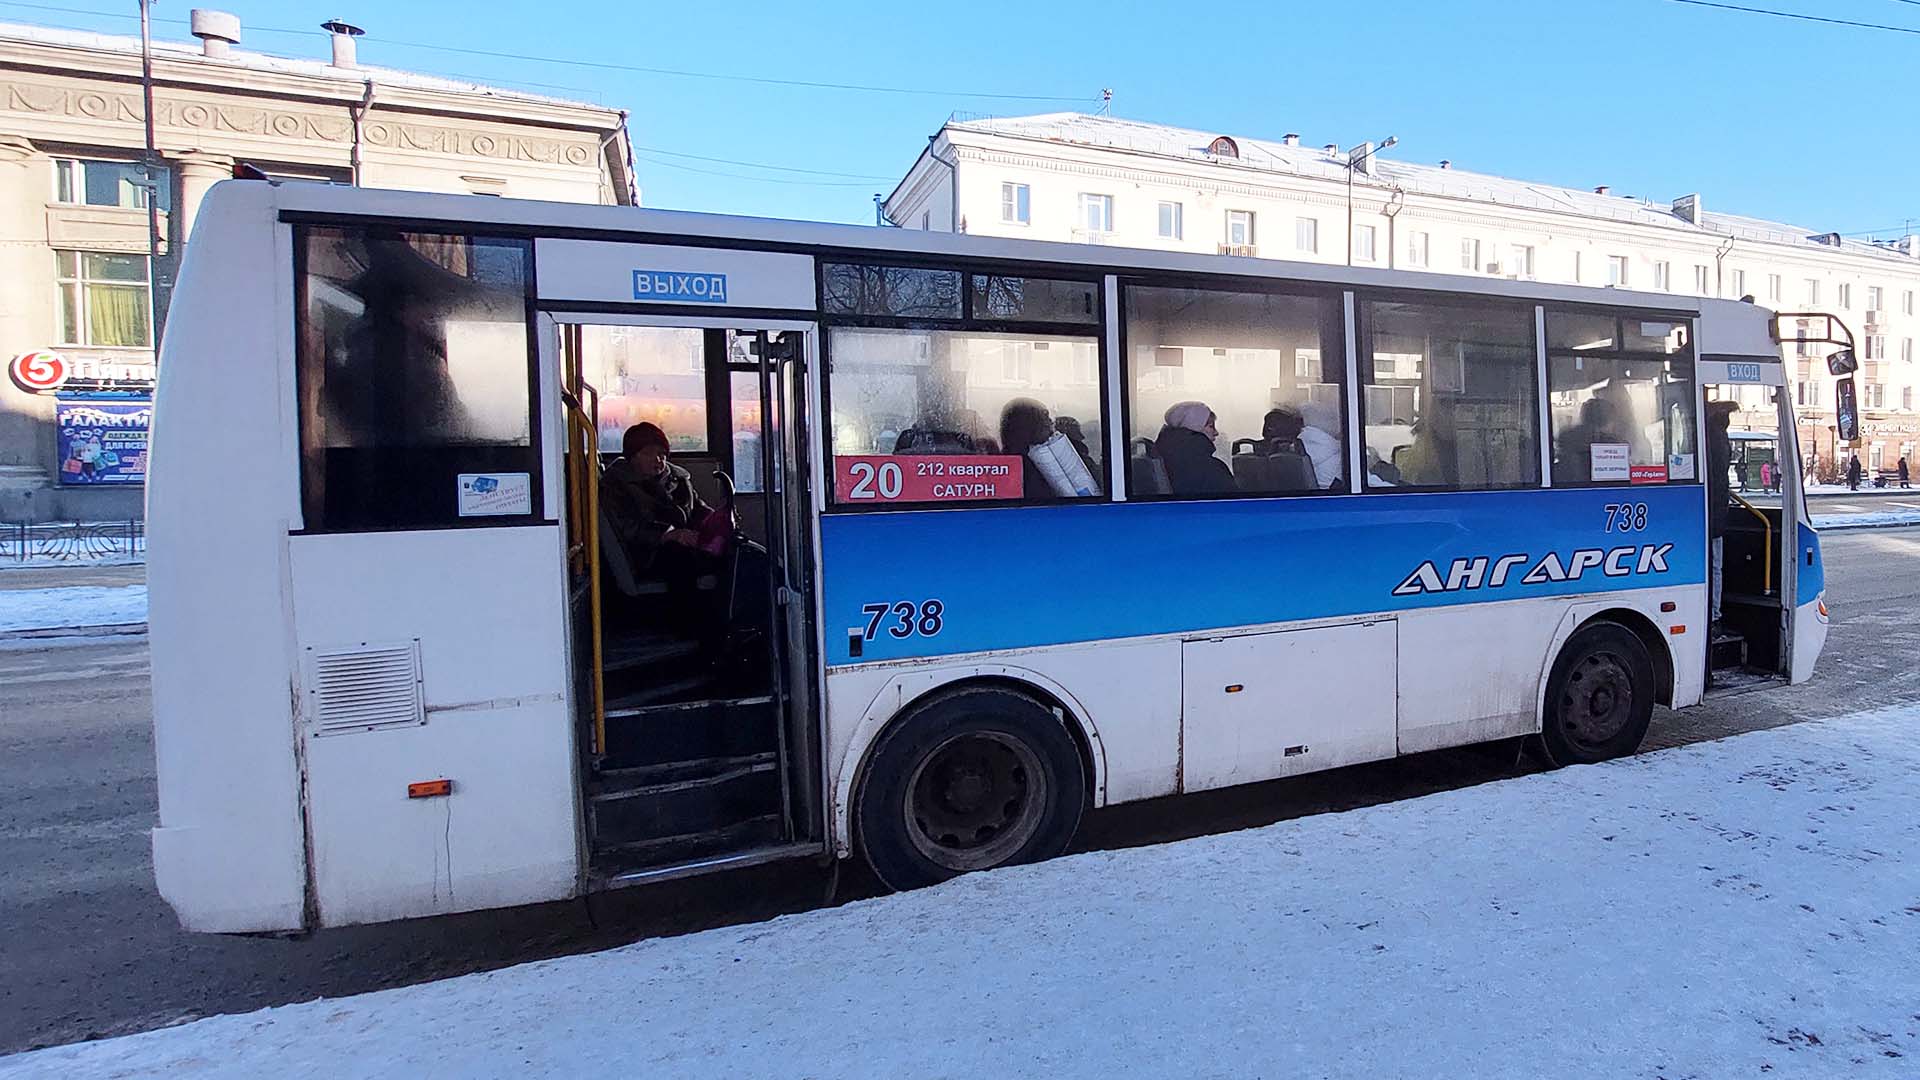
(1096, 213)
(1846, 296)
(412, 370)
(1450, 397)
(1470, 255)
(926, 221)
(1773, 288)
(103, 299)
(1240, 228)
(1268, 367)
(1800, 392)
(1906, 399)
(1876, 346)
(1701, 283)
(1737, 279)
(1906, 302)
(1306, 235)
(1616, 269)
(1520, 260)
(1812, 292)
(1419, 248)
(1363, 242)
(1662, 277)
(1620, 394)
(1576, 267)
(1906, 350)
(1172, 223)
(1015, 204)
(79, 182)
(1874, 296)
(1876, 396)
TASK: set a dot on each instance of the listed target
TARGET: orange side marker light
(429, 789)
(1676, 631)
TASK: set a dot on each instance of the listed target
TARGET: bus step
(612, 860)
(699, 801)
(1728, 650)
(627, 654)
(664, 734)
(650, 780)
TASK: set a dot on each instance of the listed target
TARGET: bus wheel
(1599, 697)
(975, 779)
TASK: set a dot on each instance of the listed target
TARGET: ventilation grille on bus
(364, 688)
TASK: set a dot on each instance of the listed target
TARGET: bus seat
(1146, 472)
(1289, 470)
(1254, 472)
(929, 441)
(618, 569)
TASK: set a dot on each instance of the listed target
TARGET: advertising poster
(103, 439)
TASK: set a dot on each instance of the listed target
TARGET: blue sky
(1764, 116)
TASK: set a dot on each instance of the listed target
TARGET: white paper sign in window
(1610, 462)
(496, 494)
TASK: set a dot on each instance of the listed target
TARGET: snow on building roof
(189, 53)
(1111, 132)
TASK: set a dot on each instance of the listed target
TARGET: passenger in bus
(1280, 432)
(1433, 459)
(1050, 465)
(653, 508)
(1185, 447)
(1321, 437)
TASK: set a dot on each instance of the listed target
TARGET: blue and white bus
(504, 551)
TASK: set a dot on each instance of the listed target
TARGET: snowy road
(1733, 908)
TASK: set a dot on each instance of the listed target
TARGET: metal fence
(72, 542)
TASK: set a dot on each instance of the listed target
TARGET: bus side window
(1621, 393)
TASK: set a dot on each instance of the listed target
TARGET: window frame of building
(1364, 243)
(1812, 291)
(1906, 350)
(1525, 363)
(1470, 255)
(1702, 280)
(70, 186)
(1906, 399)
(1845, 296)
(75, 289)
(1619, 269)
(1876, 298)
(1016, 203)
(1247, 222)
(1662, 276)
(1331, 347)
(1171, 219)
(1738, 279)
(1520, 257)
(1094, 204)
(1906, 302)
(1776, 287)
(948, 305)
(1876, 346)
(1306, 235)
(1876, 395)
(1419, 247)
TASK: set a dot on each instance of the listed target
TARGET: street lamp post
(1355, 157)
(152, 183)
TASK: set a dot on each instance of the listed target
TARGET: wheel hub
(975, 800)
(1597, 703)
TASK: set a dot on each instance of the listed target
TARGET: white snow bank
(72, 606)
(1728, 909)
(1873, 519)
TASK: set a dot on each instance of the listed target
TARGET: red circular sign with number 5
(38, 371)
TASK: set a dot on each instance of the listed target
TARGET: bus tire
(1599, 697)
(971, 780)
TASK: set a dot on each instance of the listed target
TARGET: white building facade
(1100, 179)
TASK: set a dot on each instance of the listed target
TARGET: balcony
(1092, 236)
(1246, 250)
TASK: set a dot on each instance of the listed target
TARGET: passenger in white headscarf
(1185, 447)
(1321, 437)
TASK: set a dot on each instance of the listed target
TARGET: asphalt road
(88, 949)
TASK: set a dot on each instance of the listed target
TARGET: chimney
(343, 34)
(1290, 139)
(1602, 190)
(217, 30)
(1445, 164)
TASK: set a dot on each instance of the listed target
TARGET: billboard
(103, 438)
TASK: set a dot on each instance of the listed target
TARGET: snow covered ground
(1728, 909)
(1872, 519)
(72, 606)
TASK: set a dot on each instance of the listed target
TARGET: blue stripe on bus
(1050, 575)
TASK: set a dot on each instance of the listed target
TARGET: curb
(1843, 526)
(136, 629)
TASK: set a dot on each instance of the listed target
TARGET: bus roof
(865, 241)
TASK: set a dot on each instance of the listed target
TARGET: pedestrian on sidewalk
(1853, 472)
(1766, 477)
(1740, 470)
(1902, 469)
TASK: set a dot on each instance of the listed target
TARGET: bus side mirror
(1843, 363)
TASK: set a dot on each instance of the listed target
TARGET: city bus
(504, 552)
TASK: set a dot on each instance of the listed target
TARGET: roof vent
(1290, 139)
(217, 30)
(1602, 190)
(1831, 239)
(1446, 164)
(343, 33)
(1332, 148)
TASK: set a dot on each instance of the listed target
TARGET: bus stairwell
(679, 662)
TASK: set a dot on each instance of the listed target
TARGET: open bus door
(697, 718)
(1770, 577)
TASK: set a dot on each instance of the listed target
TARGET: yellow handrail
(1766, 570)
(589, 484)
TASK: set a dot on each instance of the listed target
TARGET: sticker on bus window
(1610, 461)
(495, 494)
(1679, 466)
(925, 478)
(1649, 474)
